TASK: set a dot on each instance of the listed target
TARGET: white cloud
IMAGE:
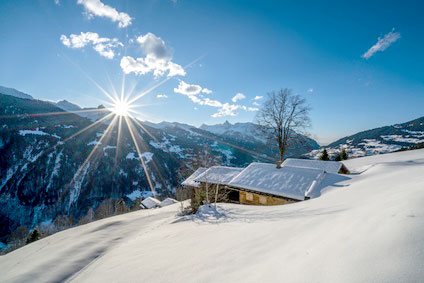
(159, 67)
(238, 96)
(188, 89)
(255, 103)
(207, 91)
(382, 44)
(193, 92)
(161, 96)
(226, 110)
(102, 45)
(157, 59)
(258, 97)
(213, 103)
(310, 90)
(151, 44)
(97, 8)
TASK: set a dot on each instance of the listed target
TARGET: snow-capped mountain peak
(228, 128)
(14, 92)
(67, 106)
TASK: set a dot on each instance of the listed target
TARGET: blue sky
(191, 48)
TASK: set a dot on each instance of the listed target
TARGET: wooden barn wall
(256, 199)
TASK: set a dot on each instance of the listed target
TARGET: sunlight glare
(121, 108)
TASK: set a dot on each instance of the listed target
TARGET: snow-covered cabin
(149, 203)
(328, 166)
(189, 182)
(213, 178)
(264, 183)
(220, 175)
(167, 201)
(268, 184)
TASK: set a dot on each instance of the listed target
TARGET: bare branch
(283, 117)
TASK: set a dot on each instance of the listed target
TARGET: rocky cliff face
(55, 163)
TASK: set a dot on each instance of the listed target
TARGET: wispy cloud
(207, 91)
(97, 8)
(194, 93)
(158, 59)
(161, 96)
(238, 96)
(258, 97)
(102, 45)
(310, 90)
(188, 89)
(382, 44)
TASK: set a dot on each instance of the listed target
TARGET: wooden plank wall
(256, 199)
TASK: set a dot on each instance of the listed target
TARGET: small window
(262, 200)
(249, 196)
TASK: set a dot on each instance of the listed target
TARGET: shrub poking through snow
(33, 237)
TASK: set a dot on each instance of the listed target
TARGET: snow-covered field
(369, 228)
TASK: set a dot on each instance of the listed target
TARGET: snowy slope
(369, 228)
(67, 106)
(42, 176)
(377, 141)
(92, 114)
(242, 129)
(14, 92)
(250, 132)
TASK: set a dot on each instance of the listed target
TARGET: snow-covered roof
(150, 203)
(190, 180)
(287, 181)
(167, 201)
(327, 166)
(218, 175)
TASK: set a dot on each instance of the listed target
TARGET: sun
(121, 108)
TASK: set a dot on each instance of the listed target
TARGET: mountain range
(56, 162)
(379, 140)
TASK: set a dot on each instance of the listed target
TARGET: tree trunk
(281, 147)
(207, 193)
(216, 194)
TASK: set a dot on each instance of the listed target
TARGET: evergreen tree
(324, 155)
(343, 155)
(338, 157)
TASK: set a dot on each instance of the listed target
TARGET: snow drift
(369, 228)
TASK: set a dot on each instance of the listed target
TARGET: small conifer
(343, 155)
(324, 155)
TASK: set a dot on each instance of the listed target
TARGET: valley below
(367, 228)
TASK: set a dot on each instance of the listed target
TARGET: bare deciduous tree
(204, 158)
(283, 116)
